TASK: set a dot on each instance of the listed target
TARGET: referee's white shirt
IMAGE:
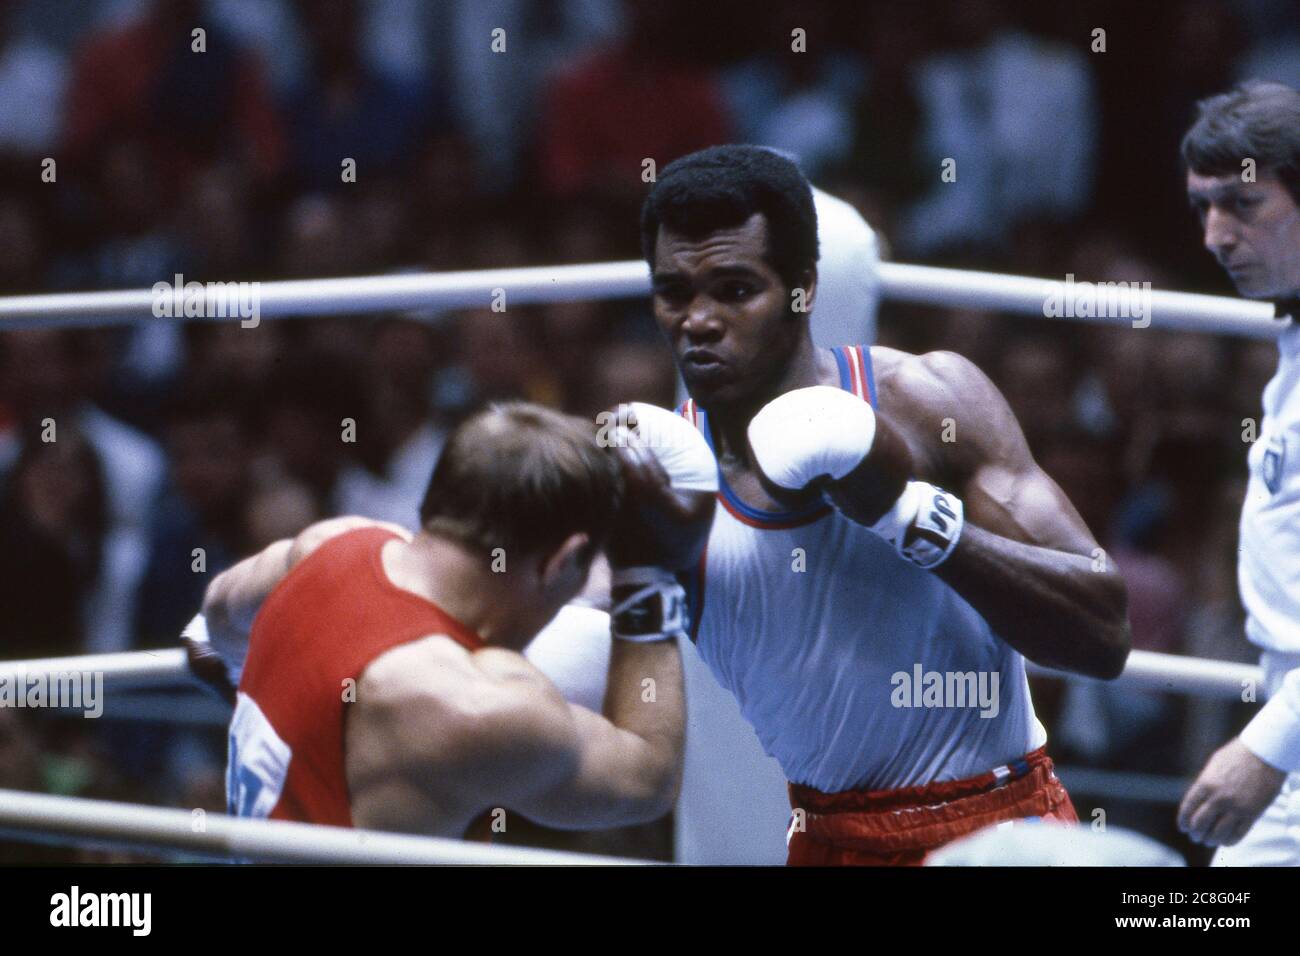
(1268, 569)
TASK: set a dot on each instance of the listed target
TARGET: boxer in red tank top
(384, 686)
(339, 610)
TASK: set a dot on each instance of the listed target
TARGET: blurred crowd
(489, 133)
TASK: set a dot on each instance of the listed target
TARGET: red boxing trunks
(901, 827)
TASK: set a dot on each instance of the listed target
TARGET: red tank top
(333, 614)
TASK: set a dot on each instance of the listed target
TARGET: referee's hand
(1233, 789)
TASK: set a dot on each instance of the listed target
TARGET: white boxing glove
(811, 432)
(663, 529)
(824, 432)
(679, 446)
(573, 651)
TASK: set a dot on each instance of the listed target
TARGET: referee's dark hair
(1255, 120)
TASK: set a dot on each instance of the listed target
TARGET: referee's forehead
(1215, 188)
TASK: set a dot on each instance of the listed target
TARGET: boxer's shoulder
(435, 681)
(953, 415)
(925, 380)
(313, 536)
(427, 664)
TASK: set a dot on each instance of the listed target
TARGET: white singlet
(823, 634)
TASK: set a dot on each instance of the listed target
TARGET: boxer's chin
(1251, 284)
(710, 388)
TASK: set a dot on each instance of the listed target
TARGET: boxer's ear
(804, 294)
(812, 287)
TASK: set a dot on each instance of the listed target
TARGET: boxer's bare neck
(461, 583)
(730, 422)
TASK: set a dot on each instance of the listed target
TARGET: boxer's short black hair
(522, 477)
(1255, 120)
(720, 188)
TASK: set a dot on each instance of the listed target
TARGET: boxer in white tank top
(1246, 800)
(818, 596)
(886, 549)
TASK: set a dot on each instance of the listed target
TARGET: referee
(1243, 179)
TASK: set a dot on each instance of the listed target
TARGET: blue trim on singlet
(754, 514)
(758, 514)
(846, 374)
(842, 358)
(871, 375)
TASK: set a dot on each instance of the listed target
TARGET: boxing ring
(163, 678)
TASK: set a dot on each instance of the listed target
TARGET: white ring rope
(154, 670)
(1177, 674)
(1116, 303)
(1112, 303)
(129, 670)
(74, 821)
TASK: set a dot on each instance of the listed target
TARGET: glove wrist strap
(924, 525)
(648, 605)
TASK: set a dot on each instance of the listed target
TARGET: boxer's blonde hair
(522, 477)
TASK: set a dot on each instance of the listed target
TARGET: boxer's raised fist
(824, 440)
(670, 482)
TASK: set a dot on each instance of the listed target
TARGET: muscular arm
(436, 741)
(1025, 560)
(630, 759)
(234, 597)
